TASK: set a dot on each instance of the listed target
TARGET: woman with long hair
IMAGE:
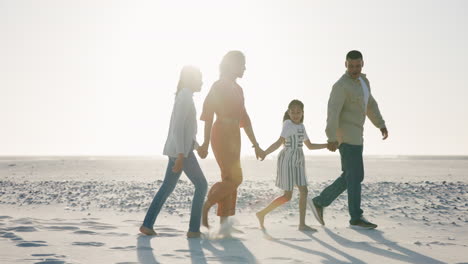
(180, 143)
(226, 100)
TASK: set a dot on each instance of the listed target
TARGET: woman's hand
(203, 150)
(179, 163)
(259, 153)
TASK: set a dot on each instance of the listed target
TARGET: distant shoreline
(161, 157)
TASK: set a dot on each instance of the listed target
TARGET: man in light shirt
(350, 102)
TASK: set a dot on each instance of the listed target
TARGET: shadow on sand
(145, 251)
(328, 258)
(402, 254)
(228, 250)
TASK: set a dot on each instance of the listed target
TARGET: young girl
(291, 168)
(180, 143)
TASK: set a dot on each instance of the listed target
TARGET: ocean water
(147, 169)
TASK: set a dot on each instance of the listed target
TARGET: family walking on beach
(349, 103)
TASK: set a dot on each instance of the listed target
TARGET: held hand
(179, 164)
(384, 133)
(332, 146)
(202, 151)
(259, 153)
(262, 155)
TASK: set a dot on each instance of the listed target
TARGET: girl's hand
(332, 146)
(263, 155)
(179, 163)
(259, 153)
(203, 151)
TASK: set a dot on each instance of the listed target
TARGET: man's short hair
(354, 55)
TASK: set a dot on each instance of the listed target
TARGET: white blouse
(183, 127)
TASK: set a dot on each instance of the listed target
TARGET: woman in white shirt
(180, 143)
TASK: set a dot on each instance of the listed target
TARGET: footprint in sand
(25, 221)
(32, 244)
(61, 228)
(10, 235)
(51, 261)
(132, 221)
(88, 244)
(127, 248)
(85, 232)
(43, 255)
(116, 234)
(48, 259)
(97, 225)
(102, 227)
(22, 229)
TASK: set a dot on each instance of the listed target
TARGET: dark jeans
(353, 174)
(194, 173)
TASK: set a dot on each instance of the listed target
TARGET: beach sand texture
(88, 210)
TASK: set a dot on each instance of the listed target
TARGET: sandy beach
(88, 210)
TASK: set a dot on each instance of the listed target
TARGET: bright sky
(95, 77)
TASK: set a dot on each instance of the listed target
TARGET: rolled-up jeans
(193, 171)
(352, 175)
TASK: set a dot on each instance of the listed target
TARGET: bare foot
(148, 231)
(261, 219)
(193, 234)
(206, 209)
(307, 228)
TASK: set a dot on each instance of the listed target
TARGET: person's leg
(226, 195)
(194, 173)
(272, 206)
(168, 185)
(354, 167)
(330, 193)
(220, 193)
(302, 204)
(225, 139)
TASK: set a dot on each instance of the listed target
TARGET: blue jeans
(194, 173)
(352, 166)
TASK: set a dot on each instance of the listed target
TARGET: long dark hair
(187, 75)
(229, 61)
(294, 102)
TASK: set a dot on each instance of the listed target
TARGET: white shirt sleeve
(287, 129)
(365, 91)
(181, 110)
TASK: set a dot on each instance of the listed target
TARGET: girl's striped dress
(291, 167)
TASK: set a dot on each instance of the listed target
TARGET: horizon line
(247, 157)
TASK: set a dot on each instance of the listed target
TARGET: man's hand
(203, 150)
(384, 133)
(332, 146)
(179, 163)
